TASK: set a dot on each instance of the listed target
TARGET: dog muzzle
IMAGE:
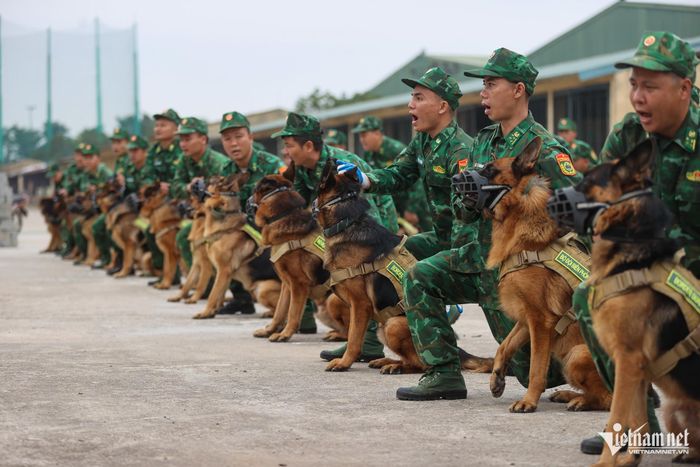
(251, 208)
(133, 202)
(570, 210)
(199, 189)
(185, 209)
(476, 192)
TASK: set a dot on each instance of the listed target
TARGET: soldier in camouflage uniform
(134, 172)
(582, 153)
(303, 144)
(380, 151)
(337, 139)
(443, 274)
(666, 110)
(102, 237)
(94, 175)
(67, 187)
(161, 164)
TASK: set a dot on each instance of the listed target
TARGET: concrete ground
(96, 371)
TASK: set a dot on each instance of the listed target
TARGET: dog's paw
(175, 299)
(497, 383)
(161, 286)
(564, 396)
(523, 407)
(262, 332)
(334, 336)
(338, 364)
(578, 404)
(392, 369)
(279, 337)
(689, 458)
(204, 315)
(191, 301)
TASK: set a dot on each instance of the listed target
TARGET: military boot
(372, 349)
(444, 382)
(243, 306)
(308, 322)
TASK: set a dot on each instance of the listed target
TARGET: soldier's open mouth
(414, 118)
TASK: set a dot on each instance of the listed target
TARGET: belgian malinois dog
(639, 326)
(231, 250)
(53, 209)
(533, 293)
(361, 240)
(287, 225)
(164, 219)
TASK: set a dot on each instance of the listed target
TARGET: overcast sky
(206, 57)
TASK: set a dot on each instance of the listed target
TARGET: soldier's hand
(164, 187)
(344, 167)
(92, 188)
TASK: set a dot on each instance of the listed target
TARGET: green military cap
(79, 147)
(168, 114)
(137, 142)
(189, 125)
(52, 169)
(89, 150)
(566, 124)
(663, 51)
(334, 136)
(299, 125)
(510, 65)
(233, 120)
(440, 83)
(119, 133)
(368, 123)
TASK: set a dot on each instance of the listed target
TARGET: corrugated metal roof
(586, 68)
(618, 27)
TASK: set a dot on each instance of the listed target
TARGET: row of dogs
(338, 256)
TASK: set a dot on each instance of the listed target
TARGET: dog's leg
(129, 248)
(540, 353)
(397, 337)
(516, 338)
(216, 296)
(360, 314)
(205, 272)
(267, 293)
(192, 277)
(281, 311)
(338, 316)
(169, 261)
(299, 295)
(581, 373)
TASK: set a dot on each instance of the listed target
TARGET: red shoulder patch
(462, 164)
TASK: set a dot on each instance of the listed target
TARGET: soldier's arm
(625, 136)
(178, 187)
(401, 175)
(556, 164)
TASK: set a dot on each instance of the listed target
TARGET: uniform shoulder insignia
(462, 164)
(565, 164)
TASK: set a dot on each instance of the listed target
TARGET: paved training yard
(96, 371)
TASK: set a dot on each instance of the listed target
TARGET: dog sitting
(641, 302)
(164, 220)
(297, 252)
(53, 210)
(232, 247)
(539, 268)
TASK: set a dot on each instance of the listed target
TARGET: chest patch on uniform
(693, 176)
(438, 169)
(320, 243)
(565, 165)
(679, 283)
(396, 270)
(462, 164)
(571, 264)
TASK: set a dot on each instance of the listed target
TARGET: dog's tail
(475, 364)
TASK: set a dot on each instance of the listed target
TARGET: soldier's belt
(561, 256)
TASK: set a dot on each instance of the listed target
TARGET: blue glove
(344, 166)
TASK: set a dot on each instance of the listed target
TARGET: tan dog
(537, 293)
(230, 248)
(164, 221)
(651, 330)
(297, 251)
(53, 209)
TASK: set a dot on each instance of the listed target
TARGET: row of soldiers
(451, 252)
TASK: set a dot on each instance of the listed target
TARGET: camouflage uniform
(134, 177)
(412, 199)
(336, 138)
(676, 176)
(122, 159)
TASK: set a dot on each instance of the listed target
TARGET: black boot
(244, 307)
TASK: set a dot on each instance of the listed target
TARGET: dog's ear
(290, 172)
(352, 175)
(328, 175)
(635, 168)
(524, 164)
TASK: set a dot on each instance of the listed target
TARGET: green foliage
(322, 100)
(20, 142)
(146, 125)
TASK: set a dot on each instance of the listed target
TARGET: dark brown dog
(53, 209)
(233, 252)
(164, 221)
(639, 325)
(281, 214)
(89, 209)
(536, 296)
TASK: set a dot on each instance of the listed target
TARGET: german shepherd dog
(89, 209)
(202, 270)
(362, 241)
(164, 219)
(281, 214)
(641, 324)
(232, 252)
(534, 296)
(53, 209)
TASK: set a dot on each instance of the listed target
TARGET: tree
(20, 142)
(322, 100)
(60, 146)
(94, 137)
(146, 126)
